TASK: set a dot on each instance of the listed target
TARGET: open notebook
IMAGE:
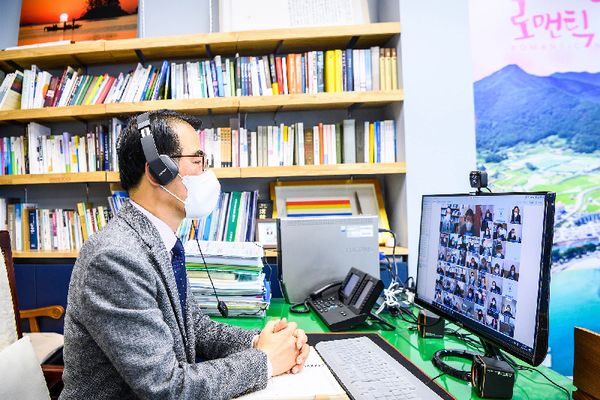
(315, 381)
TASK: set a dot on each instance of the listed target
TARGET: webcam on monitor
(478, 179)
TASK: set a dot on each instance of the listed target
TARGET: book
(338, 144)
(275, 74)
(299, 70)
(308, 147)
(291, 73)
(338, 70)
(267, 76)
(349, 142)
(349, 70)
(394, 69)
(238, 75)
(375, 68)
(360, 142)
(66, 75)
(368, 74)
(51, 91)
(12, 97)
(329, 71)
(26, 85)
(219, 72)
(315, 381)
(388, 69)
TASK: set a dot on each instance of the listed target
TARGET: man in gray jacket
(132, 326)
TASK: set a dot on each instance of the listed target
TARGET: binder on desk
(315, 381)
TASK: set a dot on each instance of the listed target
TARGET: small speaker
(430, 325)
(492, 378)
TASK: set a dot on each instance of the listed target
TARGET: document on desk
(315, 381)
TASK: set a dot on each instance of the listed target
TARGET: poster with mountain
(536, 74)
(45, 21)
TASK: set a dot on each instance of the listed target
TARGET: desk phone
(350, 304)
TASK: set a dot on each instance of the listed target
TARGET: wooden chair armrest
(53, 311)
(52, 373)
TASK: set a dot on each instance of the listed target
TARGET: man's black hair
(469, 212)
(132, 162)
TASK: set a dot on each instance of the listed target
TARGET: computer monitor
(484, 264)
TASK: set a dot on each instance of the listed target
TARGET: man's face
(191, 163)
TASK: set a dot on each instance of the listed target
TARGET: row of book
(347, 142)
(39, 152)
(310, 72)
(232, 220)
(236, 270)
(34, 228)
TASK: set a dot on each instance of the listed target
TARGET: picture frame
(266, 233)
(364, 196)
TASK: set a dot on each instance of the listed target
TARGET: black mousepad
(314, 338)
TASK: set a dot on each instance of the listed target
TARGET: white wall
(439, 120)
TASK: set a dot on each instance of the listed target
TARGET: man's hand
(301, 340)
(284, 345)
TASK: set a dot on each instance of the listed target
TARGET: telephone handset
(350, 304)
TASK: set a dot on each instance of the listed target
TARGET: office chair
(44, 344)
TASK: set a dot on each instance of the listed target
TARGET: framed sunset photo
(68, 21)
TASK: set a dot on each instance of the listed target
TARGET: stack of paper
(236, 269)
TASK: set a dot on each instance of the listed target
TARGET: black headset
(162, 167)
(445, 368)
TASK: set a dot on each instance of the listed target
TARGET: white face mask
(469, 225)
(203, 194)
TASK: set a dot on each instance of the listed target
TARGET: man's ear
(149, 175)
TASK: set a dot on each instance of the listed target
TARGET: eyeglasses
(197, 159)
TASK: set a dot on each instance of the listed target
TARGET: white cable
(390, 297)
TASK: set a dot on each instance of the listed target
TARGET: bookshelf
(108, 54)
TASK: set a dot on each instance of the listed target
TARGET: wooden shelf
(400, 251)
(50, 57)
(310, 101)
(54, 114)
(218, 105)
(196, 46)
(324, 170)
(74, 177)
(300, 170)
(45, 254)
(317, 38)
(173, 47)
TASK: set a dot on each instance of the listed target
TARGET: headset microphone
(163, 169)
(221, 306)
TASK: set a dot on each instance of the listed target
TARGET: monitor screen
(484, 263)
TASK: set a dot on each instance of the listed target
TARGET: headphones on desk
(445, 368)
(162, 167)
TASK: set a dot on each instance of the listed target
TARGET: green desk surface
(529, 385)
